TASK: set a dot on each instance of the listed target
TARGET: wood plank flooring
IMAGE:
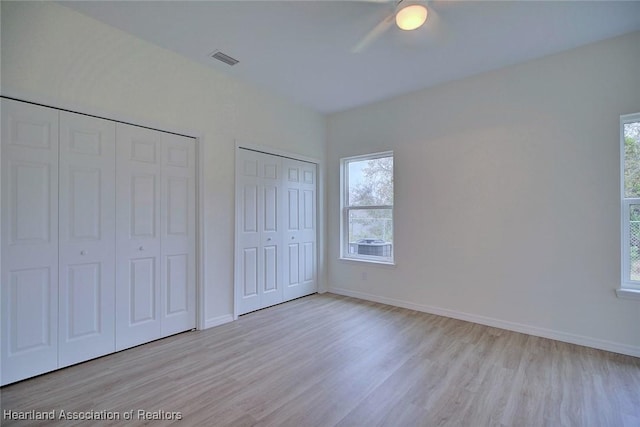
(328, 360)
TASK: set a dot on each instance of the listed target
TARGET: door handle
(141, 248)
(83, 252)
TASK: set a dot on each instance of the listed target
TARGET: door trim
(320, 216)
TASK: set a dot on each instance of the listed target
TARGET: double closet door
(276, 250)
(80, 197)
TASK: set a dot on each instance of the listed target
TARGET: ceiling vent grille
(224, 58)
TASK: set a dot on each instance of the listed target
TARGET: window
(367, 208)
(630, 156)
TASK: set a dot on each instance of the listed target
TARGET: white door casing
(29, 227)
(86, 238)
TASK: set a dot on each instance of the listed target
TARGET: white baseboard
(217, 321)
(497, 323)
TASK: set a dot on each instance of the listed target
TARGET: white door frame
(320, 215)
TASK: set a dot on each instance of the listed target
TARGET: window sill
(628, 293)
(369, 261)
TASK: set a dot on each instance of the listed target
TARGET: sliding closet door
(87, 238)
(138, 241)
(299, 186)
(258, 227)
(29, 237)
(178, 219)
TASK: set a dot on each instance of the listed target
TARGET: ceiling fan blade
(372, 35)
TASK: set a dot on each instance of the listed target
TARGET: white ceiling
(302, 50)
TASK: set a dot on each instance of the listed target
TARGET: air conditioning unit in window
(374, 247)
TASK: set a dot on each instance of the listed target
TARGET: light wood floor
(327, 360)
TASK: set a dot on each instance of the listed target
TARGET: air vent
(224, 58)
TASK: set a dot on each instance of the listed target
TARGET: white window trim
(344, 212)
(628, 289)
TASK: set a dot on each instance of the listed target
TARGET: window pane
(632, 159)
(634, 242)
(370, 182)
(371, 232)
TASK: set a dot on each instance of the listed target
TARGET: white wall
(507, 196)
(56, 56)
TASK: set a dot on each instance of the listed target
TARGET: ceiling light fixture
(410, 15)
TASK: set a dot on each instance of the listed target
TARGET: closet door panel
(308, 236)
(179, 297)
(138, 236)
(29, 198)
(293, 261)
(178, 219)
(271, 232)
(259, 242)
(249, 219)
(299, 182)
(29, 295)
(87, 238)
(142, 291)
(29, 239)
(291, 185)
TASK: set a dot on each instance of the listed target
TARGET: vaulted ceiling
(304, 50)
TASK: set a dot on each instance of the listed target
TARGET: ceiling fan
(408, 15)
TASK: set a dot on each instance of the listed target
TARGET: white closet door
(87, 238)
(178, 219)
(259, 236)
(29, 240)
(271, 231)
(248, 239)
(299, 187)
(138, 241)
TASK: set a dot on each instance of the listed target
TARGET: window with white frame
(367, 208)
(630, 156)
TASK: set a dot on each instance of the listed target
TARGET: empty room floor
(328, 360)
